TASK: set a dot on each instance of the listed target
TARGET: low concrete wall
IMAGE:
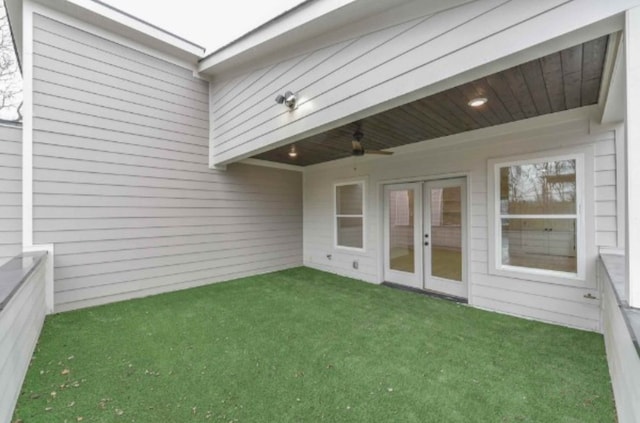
(22, 313)
(622, 355)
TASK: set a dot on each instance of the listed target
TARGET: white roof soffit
(107, 17)
(319, 22)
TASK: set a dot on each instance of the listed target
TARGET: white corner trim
(632, 55)
(27, 124)
(274, 165)
(621, 185)
(49, 273)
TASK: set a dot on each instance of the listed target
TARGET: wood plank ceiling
(564, 80)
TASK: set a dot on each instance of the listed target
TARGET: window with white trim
(349, 215)
(537, 221)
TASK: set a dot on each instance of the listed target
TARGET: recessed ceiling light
(293, 153)
(477, 102)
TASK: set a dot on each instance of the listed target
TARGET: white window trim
(495, 236)
(363, 216)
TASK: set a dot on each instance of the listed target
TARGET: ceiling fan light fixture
(477, 102)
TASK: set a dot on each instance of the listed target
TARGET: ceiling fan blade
(379, 152)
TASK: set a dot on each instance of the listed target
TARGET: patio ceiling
(564, 80)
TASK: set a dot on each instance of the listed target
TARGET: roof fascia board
(117, 16)
(354, 20)
(113, 20)
(299, 16)
(109, 33)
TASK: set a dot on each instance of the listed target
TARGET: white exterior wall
(21, 321)
(122, 187)
(467, 154)
(10, 191)
(346, 75)
(622, 356)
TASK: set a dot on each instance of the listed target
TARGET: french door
(425, 235)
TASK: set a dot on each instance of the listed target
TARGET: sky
(209, 23)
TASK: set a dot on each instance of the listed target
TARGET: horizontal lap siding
(624, 362)
(121, 179)
(10, 191)
(562, 304)
(352, 75)
(21, 321)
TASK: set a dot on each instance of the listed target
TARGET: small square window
(349, 215)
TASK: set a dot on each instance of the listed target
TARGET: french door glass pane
(548, 244)
(446, 233)
(401, 231)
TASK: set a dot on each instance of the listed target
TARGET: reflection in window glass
(350, 232)
(401, 230)
(446, 233)
(538, 217)
(540, 244)
(539, 188)
(349, 216)
(349, 199)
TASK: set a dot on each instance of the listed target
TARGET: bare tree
(10, 77)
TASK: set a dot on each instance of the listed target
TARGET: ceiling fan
(358, 150)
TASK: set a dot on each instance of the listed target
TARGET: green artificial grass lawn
(305, 346)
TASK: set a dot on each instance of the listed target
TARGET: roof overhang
(315, 23)
(111, 19)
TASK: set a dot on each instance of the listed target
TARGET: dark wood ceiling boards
(564, 80)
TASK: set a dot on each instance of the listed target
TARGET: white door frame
(466, 176)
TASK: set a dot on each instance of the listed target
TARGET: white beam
(612, 91)
(632, 53)
(27, 124)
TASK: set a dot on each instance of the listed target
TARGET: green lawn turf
(306, 346)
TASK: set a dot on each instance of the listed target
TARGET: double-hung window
(537, 223)
(349, 215)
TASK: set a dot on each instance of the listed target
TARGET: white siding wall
(356, 75)
(20, 324)
(624, 362)
(10, 191)
(121, 179)
(563, 304)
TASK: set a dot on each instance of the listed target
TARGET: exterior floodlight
(288, 99)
